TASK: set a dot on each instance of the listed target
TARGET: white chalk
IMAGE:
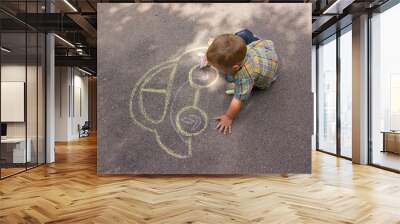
(203, 61)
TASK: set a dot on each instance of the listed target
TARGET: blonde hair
(227, 50)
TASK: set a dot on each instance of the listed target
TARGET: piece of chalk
(203, 61)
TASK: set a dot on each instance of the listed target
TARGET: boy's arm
(243, 88)
(234, 108)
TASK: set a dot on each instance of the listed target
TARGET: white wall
(62, 81)
(33, 127)
(16, 73)
(9, 73)
(12, 73)
(71, 94)
(80, 110)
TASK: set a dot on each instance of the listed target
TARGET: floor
(10, 171)
(69, 191)
(388, 159)
(5, 172)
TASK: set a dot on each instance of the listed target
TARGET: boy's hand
(224, 124)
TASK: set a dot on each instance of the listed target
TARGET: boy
(250, 66)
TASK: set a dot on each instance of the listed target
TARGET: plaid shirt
(259, 69)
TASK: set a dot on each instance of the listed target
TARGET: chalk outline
(196, 99)
(172, 121)
(149, 76)
(197, 86)
(166, 91)
(189, 120)
(190, 134)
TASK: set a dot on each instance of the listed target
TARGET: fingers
(221, 128)
(218, 125)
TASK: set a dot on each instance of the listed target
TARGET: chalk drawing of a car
(190, 120)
